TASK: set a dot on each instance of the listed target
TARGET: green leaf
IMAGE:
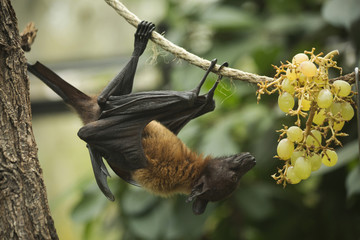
(153, 224)
(217, 140)
(136, 201)
(353, 182)
(341, 12)
(223, 17)
(90, 206)
(255, 200)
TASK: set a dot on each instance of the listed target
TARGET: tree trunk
(24, 209)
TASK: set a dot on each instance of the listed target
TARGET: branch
(28, 36)
(192, 58)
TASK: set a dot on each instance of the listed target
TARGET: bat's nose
(244, 162)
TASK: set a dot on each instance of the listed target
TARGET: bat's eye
(234, 178)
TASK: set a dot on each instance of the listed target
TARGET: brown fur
(173, 167)
(88, 110)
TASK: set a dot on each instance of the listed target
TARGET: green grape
(319, 117)
(335, 108)
(311, 141)
(299, 58)
(287, 86)
(292, 177)
(294, 134)
(285, 148)
(330, 158)
(347, 111)
(302, 168)
(315, 161)
(295, 155)
(325, 98)
(286, 102)
(305, 104)
(342, 88)
(308, 68)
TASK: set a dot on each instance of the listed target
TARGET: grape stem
(310, 120)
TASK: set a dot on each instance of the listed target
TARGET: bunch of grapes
(321, 107)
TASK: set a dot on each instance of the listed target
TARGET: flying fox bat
(136, 134)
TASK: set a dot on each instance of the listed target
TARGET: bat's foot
(142, 36)
(144, 30)
(211, 67)
(210, 94)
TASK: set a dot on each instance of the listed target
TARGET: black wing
(117, 134)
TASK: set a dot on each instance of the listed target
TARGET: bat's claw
(144, 30)
(225, 64)
(211, 67)
(212, 64)
(210, 94)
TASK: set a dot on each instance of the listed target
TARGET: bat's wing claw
(100, 172)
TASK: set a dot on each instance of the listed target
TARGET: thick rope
(180, 52)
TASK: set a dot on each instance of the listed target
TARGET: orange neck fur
(173, 167)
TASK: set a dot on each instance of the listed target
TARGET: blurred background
(87, 43)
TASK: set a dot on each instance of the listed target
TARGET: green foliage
(251, 35)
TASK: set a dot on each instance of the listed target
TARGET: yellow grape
(286, 102)
(337, 126)
(292, 177)
(315, 161)
(285, 148)
(319, 117)
(302, 78)
(330, 158)
(347, 111)
(299, 58)
(305, 104)
(287, 86)
(319, 80)
(325, 98)
(294, 134)
(291, 74)
(308, 68)
(302, 168)
(295, 155)
(342, 88)
(310, 141)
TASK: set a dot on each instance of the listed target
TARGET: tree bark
(24, 209)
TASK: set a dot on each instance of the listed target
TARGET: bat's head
(219, 179)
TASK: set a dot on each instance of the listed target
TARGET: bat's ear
(200, 188)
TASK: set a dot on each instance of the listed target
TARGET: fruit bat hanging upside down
(136, 134)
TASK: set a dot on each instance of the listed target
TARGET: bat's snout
(242, 162)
